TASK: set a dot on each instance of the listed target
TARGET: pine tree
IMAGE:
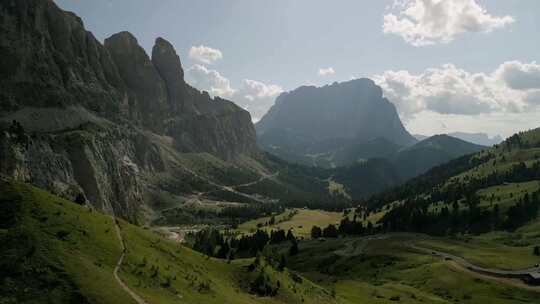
(282, 263)
(316, 232)
(294, 249)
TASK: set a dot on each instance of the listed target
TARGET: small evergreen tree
(282, 263)
(290, 236)
(294, 249)
(316, 232)
(80, 199)
(330, 231)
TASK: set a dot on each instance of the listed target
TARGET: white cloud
(210, 80)
(205, 54)
(252, 89)
(511, 88)
(520, 76)
(257, 97)
(327, 71)
(254, 96)
(427, 22)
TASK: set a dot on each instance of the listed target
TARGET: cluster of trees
(416, 215)
(345, 227)
(426, 182)
(517, 141)
(225, 245)
(244, 213)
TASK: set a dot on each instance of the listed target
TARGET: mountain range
(482, 139)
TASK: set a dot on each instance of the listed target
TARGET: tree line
(227, 245)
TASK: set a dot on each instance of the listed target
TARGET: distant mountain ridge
(430, 152)
(482, 139)
(478, 138)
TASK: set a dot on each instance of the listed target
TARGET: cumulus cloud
(427, 22)
(205, 54)
(252, 89)
(210, 80)
(520, 76)
(511, 88)
(326, 71)
(255, 96)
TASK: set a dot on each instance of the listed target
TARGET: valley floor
(74, 252)
(413, 268)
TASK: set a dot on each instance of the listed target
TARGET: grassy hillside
(433, 151)
(384, 269)
(300, 221)
(70, 251)
(495, 189)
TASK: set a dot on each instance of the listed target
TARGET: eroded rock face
(88, 115)
(107, 165)
(48, 59)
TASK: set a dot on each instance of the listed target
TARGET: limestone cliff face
(104, 164)
(48, 59)
(166, 104)
(146, 90)
(167, 63)
(77, 117)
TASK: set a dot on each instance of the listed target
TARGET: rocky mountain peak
(349, 110)
(164, 53)
(167, 63)
(146, 89)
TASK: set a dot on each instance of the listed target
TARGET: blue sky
(265, 47)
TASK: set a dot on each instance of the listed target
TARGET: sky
(447, 65)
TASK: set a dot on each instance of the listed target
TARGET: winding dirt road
(123, 285)
(511, 277)
(196, 198)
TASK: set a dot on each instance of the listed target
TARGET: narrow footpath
(123, 285)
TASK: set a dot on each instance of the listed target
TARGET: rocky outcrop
(78, 117)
